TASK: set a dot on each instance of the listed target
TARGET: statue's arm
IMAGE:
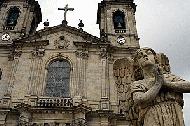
(150, 94)
(179, 86)
(141, 97)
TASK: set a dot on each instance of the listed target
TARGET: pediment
(61, 36)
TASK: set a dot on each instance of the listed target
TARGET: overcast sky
(163, 25)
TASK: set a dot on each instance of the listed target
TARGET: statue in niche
(157, 94)
(1, 74)
(13, 16)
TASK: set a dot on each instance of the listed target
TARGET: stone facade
(100, 69)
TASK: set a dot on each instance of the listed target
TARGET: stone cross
(66, 8)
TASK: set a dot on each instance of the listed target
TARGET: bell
(10, 22)
(119, 25)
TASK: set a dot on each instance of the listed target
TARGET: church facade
(62, 75)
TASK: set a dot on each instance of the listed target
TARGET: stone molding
(14, 55)
(39, 52)
(82, 54)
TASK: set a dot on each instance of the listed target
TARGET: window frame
(68, 93)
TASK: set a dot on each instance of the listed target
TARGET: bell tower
(19, 18)
(116, 19)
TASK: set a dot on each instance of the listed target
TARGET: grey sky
(162, 25)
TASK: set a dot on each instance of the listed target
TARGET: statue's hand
(159, 77)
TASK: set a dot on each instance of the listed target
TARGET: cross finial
(66, 8)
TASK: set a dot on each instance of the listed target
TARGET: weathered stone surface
(157, 95)
(101, 76)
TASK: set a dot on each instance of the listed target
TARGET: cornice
(51, 30)
(101, 113)
(33, 43)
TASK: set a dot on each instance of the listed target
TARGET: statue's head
(147, 57)
(144, 57)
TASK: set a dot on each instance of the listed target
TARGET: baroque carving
(163, 62)
(39, 52)
(103, 53)
(103, 35)
(82, 54)
(25, 116)
(4, 5)
(123, 74)
(79, 122)
(61, 43)
(14, 55)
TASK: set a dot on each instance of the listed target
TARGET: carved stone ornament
(4, 5)
(39, 52)
(82, 54)
(14, 55)
(25, 115)
(123, 75)
(61, 43)
(103, 53)
(163, 62)
(79, 122)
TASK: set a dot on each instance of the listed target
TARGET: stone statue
(156, 93)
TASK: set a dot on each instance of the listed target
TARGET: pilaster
(82, 55)
(36, 70)
(105, 87)
(25, 115)
(79, 115)
(105, 116)
(3, 115)
(14, 58)
(4, 109)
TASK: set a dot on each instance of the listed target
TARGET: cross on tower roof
(66, 8)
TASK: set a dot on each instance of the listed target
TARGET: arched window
(119, 20)
(58, 77)
(12, 16)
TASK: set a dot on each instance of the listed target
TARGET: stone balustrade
(8, 27)
(54, 102)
